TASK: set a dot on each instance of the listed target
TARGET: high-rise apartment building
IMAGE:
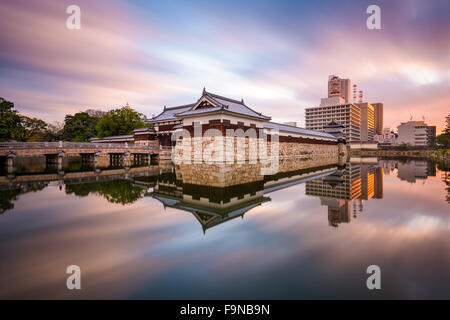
(339, 87)
(367, 121)
(378, 109)
(349, 115)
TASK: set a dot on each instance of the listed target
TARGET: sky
(276, 55)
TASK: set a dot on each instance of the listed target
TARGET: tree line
(444, 138)
(78, 127)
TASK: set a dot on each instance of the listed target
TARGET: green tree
(447, 125)
(10, 123)
(444, 138)
(79, 127)
(34, 129)
(120, 122)
(116, 191)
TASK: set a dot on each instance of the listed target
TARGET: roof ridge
(178, 107)
(224, 98)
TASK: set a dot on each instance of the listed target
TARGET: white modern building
(414, 133)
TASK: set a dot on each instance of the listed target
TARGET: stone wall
(230, 149)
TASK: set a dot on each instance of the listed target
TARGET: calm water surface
(150, 232)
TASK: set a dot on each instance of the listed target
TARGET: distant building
(95, 113)
(339, 87)
(431, 135)
(367, 121)
(416, 133)
(387, 138)
(378, 111)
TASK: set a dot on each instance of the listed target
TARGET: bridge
(101, 154)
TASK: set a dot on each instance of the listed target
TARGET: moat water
(155, 232)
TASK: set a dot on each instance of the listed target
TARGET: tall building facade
(416, 133)
(378, 110)
(339, 87)
(367, 121)
(349, 115)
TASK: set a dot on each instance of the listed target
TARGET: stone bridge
(101, 154)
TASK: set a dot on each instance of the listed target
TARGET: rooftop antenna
(355, 88)
(360, 96)
(410, 116)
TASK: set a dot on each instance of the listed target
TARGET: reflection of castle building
(213, 204)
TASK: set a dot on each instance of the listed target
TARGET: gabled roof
(169, 113)
(221, 103)
(297, 130)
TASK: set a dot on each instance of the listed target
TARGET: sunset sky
(277, 55)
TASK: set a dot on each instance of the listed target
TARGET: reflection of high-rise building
(367, 181)
(415, 170)
(379, 180)
(344, 184)
(336, 192)
(338, 210)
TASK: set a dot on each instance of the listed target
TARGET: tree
(120, 122)
(79, 127)
(54, 131)
(444, 138)
(10, 122)
(34, 129)
(447, 125)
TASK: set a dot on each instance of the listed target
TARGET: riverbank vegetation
(79, 127)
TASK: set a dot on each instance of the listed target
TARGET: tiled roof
(144, 130)
(227, 104)
(169, 113)
(288, 128)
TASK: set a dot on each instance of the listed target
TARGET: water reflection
(148, 232)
